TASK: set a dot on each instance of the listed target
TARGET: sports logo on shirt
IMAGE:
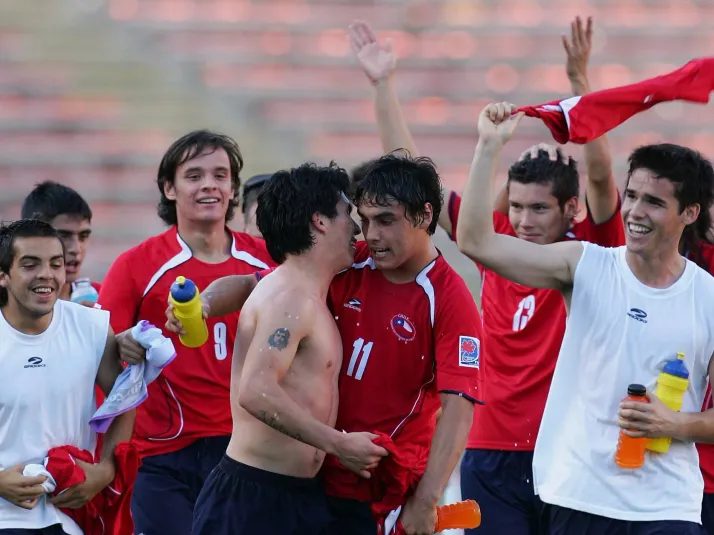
(469, 351)
(403, 328)
(354, 304)
(638, 314)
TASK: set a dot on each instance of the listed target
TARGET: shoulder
(448, 286)
(250, 250)
(83, 315)
(152, 253)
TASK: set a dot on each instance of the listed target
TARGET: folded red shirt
(586, 118)
(393, 482)
(108, 513)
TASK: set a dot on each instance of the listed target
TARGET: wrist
(108, 470)
(426, 498)
(334, 440)
(489, 146)
(580, 86)
(383, 81)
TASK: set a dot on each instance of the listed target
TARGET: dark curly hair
(396, 176)
(288, 200)
(563, 177)
(186, 148)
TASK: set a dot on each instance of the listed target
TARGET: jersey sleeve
(501, 223)
(610, 233)
(457, 331)
(120, 294)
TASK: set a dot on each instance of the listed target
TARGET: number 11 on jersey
(360, 353)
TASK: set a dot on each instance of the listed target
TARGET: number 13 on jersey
(359, 358)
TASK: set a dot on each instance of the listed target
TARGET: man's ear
(169, 190)
(690, 214)
(428, 216)
(318, 221)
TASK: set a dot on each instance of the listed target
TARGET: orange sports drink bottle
(631, 451)
(461, 515)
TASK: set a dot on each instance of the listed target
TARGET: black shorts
(55, 529)
(238, 499)
(563, 521)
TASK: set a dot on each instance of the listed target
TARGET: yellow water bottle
(671, 386)
(185, 298)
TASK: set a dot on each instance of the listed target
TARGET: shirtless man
(287, 358)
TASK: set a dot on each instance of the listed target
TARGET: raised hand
(377, 60)
(578, 49)
(497, 123)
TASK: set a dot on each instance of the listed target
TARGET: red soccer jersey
(191, 397)
(706, 451)
(522, 332)
(402, 345)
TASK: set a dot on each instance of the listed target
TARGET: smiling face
(35, 277)
(535, 213)
(202, 188)
(653, 219)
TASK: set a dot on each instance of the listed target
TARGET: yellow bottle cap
(182, 280)
(680, 356)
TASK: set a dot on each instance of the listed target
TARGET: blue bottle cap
(183, 290)
(677, 368)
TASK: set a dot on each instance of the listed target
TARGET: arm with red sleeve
(457, 335)
(121, 292)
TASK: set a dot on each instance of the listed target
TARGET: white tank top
(47, 398)
(619, 332)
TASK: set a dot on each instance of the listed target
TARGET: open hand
(578, 49)
(378, 60)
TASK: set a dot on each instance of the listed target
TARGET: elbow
(254, 397)
(249, 399)
(473, 248)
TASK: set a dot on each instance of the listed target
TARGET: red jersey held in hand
(191, 398)
(523, 329)
(403, 344)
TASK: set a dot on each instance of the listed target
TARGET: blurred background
(93, 91)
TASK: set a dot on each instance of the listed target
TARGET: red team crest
(403, 328)
(469, 351)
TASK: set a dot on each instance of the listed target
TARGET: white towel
(130, 388)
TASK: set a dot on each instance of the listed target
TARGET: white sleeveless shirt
(47, 398)
(620, 331)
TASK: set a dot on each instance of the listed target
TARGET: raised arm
(530, 264)
(378, 61)
(601, 190)
(281, 326)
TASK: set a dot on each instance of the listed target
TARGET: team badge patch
(469, 351)
(403, 328)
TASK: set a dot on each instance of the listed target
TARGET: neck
(311, 271)
(657, 270)
(65, 291)
(209, 243)
(408, 271)
(23, 322)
